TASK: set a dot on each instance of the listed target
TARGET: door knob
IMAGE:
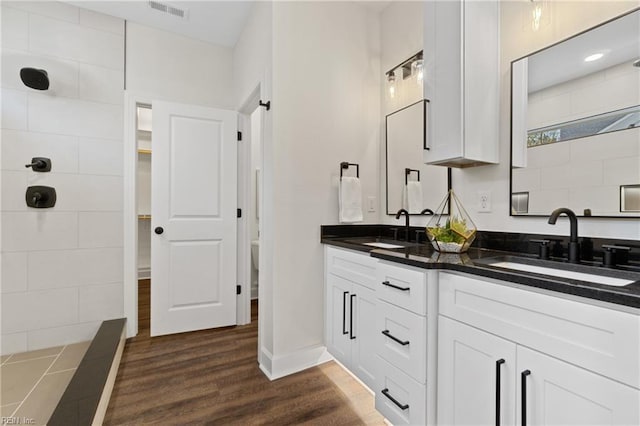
(159, 230)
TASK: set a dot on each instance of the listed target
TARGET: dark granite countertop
(422, 255)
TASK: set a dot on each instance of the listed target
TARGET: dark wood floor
(212, 377)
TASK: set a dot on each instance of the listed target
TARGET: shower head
(35, 78)
(636, 63)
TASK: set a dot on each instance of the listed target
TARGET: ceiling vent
(167, 8)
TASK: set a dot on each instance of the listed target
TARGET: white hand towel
(350, 200)
(413, 197)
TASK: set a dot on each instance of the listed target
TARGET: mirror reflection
(576, 124)
(411, 184)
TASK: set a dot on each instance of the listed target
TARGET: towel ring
(345, 165)
(407, 172)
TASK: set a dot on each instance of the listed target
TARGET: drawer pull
(351, 335)
(344, 312)
(403, 407)
(523, 385)
(394, 338)
(498, 385)
(388, 284)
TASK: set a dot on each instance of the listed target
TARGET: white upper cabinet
(462, 82)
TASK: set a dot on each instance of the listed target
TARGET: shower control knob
(159, 230)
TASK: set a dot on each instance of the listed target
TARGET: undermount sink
(584, 273)
(384, 245)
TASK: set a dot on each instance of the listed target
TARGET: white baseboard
(284, 365)
(144, 273)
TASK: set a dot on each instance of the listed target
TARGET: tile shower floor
(33, 382)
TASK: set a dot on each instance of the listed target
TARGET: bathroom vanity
(455, 339)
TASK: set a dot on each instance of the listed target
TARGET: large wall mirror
(405, 136)
(575, 124)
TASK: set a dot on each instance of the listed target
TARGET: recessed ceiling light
(593, 57)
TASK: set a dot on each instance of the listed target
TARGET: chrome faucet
(574, 246)
(406, 223)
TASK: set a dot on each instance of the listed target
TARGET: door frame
(130, 217)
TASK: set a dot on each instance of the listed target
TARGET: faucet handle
(614, 255)
(543, 251)
(395, 233)
(420, 232)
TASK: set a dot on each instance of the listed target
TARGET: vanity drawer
(599, 339)
(404, 286)
(402, 339)
(404, 400)
(356, 267)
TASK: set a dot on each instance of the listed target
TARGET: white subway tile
(14, 109)
(102, 22)
(622, 171)
(525, 179)
(101, 302)
(602, 200)
(66, 186)
(554, 154)
(39, 230)
(68, 268)
(66, 335)
(18, 147)
(554, 177)
(545, 201)
(74, 117)
(102, 193)
(39, 309)
(71, 41)
(14, 185)
(625, 143)
(98, 229)
(52, 9)
(63, 75)
(101, 157)
(14, 272)
(14, 28)
(585, 174)
(13, 343)
(101, 84)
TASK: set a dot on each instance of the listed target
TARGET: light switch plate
(371, 204)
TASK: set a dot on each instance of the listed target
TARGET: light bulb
(417, 69)
(391, 78)
(536, 16)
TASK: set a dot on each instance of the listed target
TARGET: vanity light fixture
(414, 66)
(593, 57)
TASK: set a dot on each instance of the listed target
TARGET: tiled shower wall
(61, 267)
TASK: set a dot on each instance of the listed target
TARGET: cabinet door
(363, 337)
(470, 375)
(558, 393)
(338, 316)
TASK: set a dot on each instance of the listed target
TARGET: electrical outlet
(371, 204)
(484, 201)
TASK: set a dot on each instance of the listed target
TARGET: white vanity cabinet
(462, 82)
(350, 333)
(401, 333)
(533, 358)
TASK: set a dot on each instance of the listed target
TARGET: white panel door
(473, 367)
(558, 393)
(193, 207)
(339, 320)
(364, 335)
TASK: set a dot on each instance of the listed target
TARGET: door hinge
(239, 213)
(239, 136)
(238, 289)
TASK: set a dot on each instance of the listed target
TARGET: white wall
(326, 109)
(176, 68)
(61, 267)
(517, 40)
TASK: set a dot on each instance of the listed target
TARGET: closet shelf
(144, 151)
(144, 217)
